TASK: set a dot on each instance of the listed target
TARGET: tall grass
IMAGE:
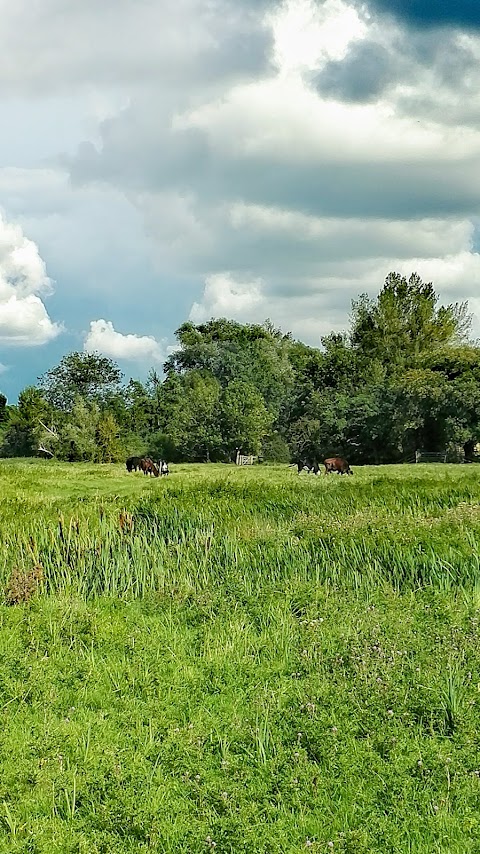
(412, 527)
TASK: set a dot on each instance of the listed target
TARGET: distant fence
(430, 457)
(245, 459)
(449, 456)
(426, 457)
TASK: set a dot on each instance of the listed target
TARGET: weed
(23, 584)
(452, 699)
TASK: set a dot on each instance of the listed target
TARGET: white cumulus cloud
(307, 33)
(104, 338)
(223, 296)
(23, 282)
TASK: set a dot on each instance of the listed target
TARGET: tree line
(404, 376)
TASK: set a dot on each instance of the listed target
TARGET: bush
(162, 447)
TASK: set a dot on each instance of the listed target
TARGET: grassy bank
(241, 660)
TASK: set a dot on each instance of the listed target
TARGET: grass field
(240, 660)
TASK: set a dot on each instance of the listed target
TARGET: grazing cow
(337, 464)
(148, 467)
(133, 463)
(309, 465)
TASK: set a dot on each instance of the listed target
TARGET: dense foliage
(404, 377)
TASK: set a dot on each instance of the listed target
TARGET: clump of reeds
(125, 521)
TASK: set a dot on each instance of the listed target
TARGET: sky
(165, 160)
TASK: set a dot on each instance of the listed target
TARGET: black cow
(133, 463)
(337, 464)
(309, 465)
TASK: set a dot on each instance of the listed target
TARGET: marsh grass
(128, 536)
(240, 660)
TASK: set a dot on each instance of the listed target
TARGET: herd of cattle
(337, 464)
(160, 467)
(147, 465)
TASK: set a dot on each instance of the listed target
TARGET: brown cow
(148, 467)
(337, 464)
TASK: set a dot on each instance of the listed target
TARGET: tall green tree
(404, 321)
(107, 439)
(90, 376)
(190, 408)
(140, 408)
(78, 433)
(228, 351)
(457, 369)
(245, 420)
(24, 428)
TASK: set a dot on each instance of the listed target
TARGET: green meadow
(239, 660)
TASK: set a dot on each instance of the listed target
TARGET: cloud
(43, 192)
(50, 48)
(223, 296)
(136, 348)
(245, 146)
(361, 76)
(417, 73)
(315, 305)
(24, 320)
(274, 141)
(307, 34)
(323, 239)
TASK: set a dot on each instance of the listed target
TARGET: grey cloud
(158, 159)
(142, 152)
(361, 76)
(241, 50)
(144, 156)
(452, 64)
(277, 253)
(370, 70)
(449, 58)
(55, 46)
(151, 156)
(369, 189)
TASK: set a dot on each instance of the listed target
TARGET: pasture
(240, 659)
